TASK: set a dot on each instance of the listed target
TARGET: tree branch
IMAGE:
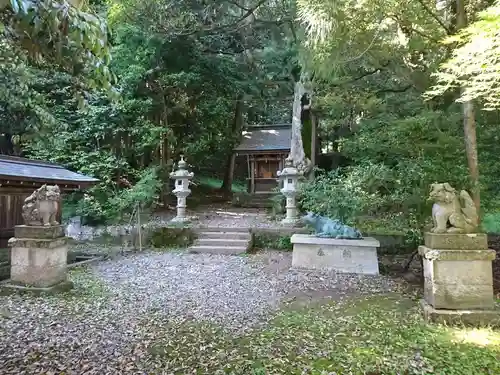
(247, 14)
(238, 5)
(435, 16)
(363, 75)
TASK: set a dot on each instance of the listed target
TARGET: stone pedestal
(341, 255)
(458, 277)
(38, 259)
(291, 219)
(181, 207)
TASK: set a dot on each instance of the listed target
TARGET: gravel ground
(105, 325)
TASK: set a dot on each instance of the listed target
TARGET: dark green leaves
(58, 32)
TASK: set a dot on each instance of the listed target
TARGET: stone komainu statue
(326, 227)
(41, 207)
(452, 213)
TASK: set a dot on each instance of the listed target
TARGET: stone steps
(222, 242)
(225, 235)
(220, 250)
(222, 230)
(226, 241)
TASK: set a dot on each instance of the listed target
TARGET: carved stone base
(39, 260)
(458, 279)
(180, 219)
(291, 222)
(42, 232)
(447, 241)
(7, 287)
(346, 256)
(490, 318)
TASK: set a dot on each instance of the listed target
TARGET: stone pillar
(290, 176)
(38, 261)
(181, 190)
(458, 278)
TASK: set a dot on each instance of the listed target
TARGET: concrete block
(38, 267)
(454, 241)
(340, 255)
(42, 232)
(458, 279)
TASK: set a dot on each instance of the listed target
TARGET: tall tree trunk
(227, 182)
(297, 154)
(469, 121)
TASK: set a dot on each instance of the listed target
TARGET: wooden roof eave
(20, 182)
(253, 152)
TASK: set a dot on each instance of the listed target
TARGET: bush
(278, 203)
(376, 198)
(491, 222)
(168, 237)
(274, 241)
(103, 204)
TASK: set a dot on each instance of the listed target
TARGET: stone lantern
(181, 190)
(290, 177)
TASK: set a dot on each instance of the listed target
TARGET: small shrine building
(265, 148)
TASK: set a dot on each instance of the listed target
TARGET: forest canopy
(400, 90)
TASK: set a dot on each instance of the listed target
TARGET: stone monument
(39, 248)
(181, 190)
(290, 177)
(334, 246)
(458, 277)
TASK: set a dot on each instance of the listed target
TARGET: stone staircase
(226, 241)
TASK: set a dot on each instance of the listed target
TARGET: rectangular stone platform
(458, 279)
(456, 241)
(38, 257)
(482, 318)
(340, 255)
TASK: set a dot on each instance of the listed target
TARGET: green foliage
(215, 183)
(179, 78)
(59, 32)
(275, 241)
(396, 158)
(105, 204)
(143, 194)
(356, 195)
(170, 237)
(278, 202)
(491, 222)
(474, 64)
(372, 62)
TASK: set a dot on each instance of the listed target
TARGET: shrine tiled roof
(21, 169)
(266, 138)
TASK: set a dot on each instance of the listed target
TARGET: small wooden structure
(265, 148)
(19, 177)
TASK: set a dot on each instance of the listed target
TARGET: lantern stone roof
(22, 171)
(264, 138)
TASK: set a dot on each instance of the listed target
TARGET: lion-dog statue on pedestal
(41, 207)
(452, 213)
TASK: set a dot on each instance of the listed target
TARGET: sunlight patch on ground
(476, 336)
